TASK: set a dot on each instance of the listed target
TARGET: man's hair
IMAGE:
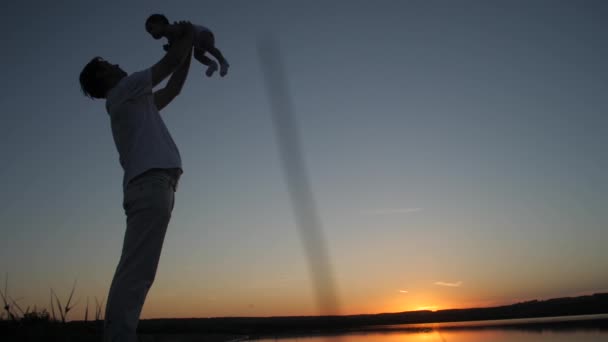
(157, 18)
(91, 84)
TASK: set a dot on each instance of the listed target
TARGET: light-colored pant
(148, 203)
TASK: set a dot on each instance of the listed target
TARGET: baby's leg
(215, 52)
(208, 40)
(199, 55)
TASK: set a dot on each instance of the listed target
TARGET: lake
(589, 328)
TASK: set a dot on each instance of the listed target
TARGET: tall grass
(41, 325)
(12, 311)
(6, 300)
(63, 311)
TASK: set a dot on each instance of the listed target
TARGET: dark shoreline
(90, 332)
(254, 326)
(555, 314)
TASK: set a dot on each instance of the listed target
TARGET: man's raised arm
(165, 95)
(181, 48)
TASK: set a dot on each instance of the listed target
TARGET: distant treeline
(584, 305)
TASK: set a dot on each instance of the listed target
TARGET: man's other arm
(165, 95)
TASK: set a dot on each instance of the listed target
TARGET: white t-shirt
(141, 137)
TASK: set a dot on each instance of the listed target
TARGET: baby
(158, 26)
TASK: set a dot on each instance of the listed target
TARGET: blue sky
(458, 143)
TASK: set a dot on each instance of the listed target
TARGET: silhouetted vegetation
(26, 325)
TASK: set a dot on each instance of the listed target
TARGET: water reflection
(591, 328)
(459, 336)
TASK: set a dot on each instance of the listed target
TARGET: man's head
(156, 24)
(99, 76)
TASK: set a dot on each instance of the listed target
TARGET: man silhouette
(152, 168)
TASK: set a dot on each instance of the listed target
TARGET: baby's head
(156, 25)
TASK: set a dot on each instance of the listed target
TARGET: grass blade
(86, 311)
(52, 307)
(67, 305)
(59, 306)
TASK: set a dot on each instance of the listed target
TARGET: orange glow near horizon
(413, 301)
(428, 300)
(179, 305)
(167, 301)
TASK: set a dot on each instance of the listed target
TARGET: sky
(456, 151)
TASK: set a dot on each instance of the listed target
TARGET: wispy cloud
(444, 283)
(403, 291)
(389, 211)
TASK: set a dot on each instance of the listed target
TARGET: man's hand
(176, 31)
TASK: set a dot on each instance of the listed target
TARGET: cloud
(403, 291)
(389, 211)
(443, 283)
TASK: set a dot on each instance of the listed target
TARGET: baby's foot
(211, 69)
(224, 69)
